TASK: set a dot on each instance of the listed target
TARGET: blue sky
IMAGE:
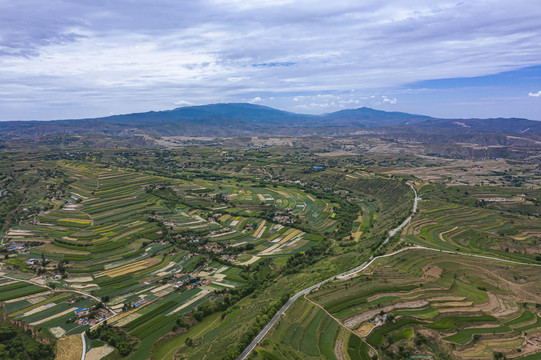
(74, 59)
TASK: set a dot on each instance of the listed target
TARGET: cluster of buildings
(17, 247)
(33, 261)
(138, 302)
(228, 257)
(533, 342)
(87, 317)
(194, 239)
(212, 247)
(220, 231)
(283, 219)
(71, 206)
(380, 319)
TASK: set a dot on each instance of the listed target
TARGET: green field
(189, 252)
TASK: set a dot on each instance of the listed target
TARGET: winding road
(356, 270)
(351, 272)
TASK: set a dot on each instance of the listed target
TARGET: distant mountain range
(241, 119)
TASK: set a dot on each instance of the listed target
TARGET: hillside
(240, 119)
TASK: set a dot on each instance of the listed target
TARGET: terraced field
(184, 258)
(308, 332)
(427, 303)
(472, 228)
(111, 234)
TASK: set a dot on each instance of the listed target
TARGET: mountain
(240, 119)
(374, 118)
(214, 114)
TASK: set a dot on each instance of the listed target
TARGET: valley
(154, 253)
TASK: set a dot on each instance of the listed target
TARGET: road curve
(355, 270)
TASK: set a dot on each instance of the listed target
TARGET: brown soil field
(69, 348)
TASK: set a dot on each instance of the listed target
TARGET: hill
(241, 119)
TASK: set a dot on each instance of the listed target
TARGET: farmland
(150, 254)
(185, 253)
(419, 302)
(481, 220)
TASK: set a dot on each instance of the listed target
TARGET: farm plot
(69, 348)
(130, 268)
(18, 290)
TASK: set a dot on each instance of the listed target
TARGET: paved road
(84, 346)
(355, 270)
(391, 234)
(477, 256)
(413, 211)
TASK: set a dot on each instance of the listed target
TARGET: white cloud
(389, 101)
(537, 94)
(255, 100)
(141, 57)
(184, 103)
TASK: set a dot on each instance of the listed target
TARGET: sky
(64, 59)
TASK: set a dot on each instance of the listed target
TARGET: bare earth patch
(57, 331)
(99, 352)
(251, 261)
(365, 329)
(80, 279)
(453, 304)
(339, 348)
(69, 348)
(39, 309)
(191, 301)
(431, 272)
(498, 307)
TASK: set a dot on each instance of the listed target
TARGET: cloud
(537, 94)
(255, 100)
(274, 64)
(389, 101)
(96, 55)
(184, 103)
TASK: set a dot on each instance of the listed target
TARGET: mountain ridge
(240, 119)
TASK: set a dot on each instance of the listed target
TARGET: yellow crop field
(290, 234)
(133, 267)
(224, 217)
(76, 221)
(260, 229)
